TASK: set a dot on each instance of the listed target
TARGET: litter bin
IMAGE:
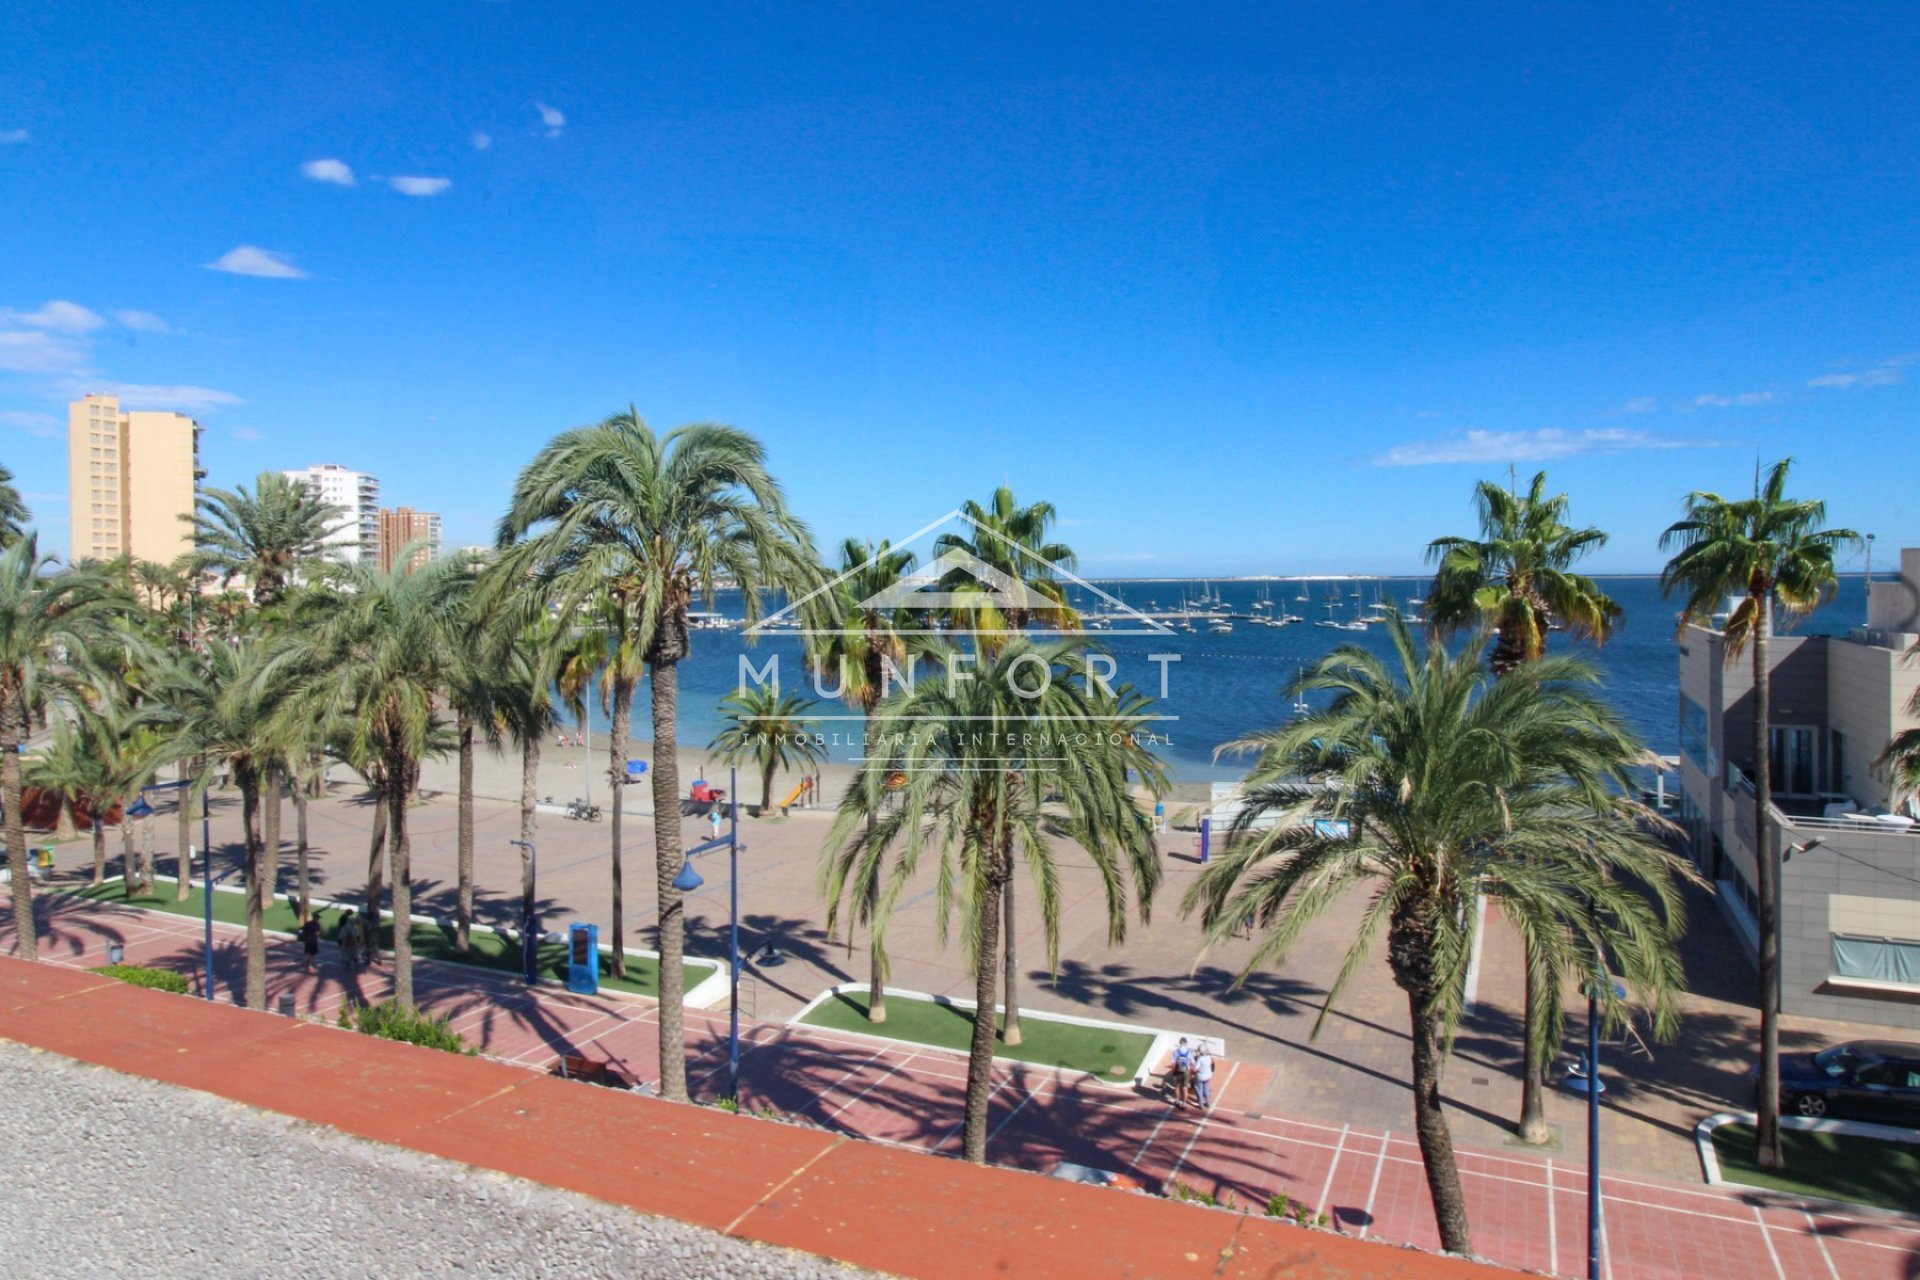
(583, 959)
(45, 854)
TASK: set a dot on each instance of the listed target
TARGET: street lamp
(529, 935)
(138, 809)
(688, 880)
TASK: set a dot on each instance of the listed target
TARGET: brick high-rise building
(400, 526)
(356, 536)
(131, 477)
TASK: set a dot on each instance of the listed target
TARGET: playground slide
(792, 796)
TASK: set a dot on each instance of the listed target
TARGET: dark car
(1860, 1080)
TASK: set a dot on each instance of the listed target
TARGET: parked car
(1873, 1080)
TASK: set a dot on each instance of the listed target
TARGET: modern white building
(357, 536)
(1845, 848)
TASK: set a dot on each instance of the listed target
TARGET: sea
(1210, 688)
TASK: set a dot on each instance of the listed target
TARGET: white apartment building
(357, 536)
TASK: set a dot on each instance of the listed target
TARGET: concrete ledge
(1710, 1159)
(896, 1211)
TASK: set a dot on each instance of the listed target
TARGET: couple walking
(1192, 1075)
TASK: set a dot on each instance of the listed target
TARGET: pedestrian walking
(310, 942)
(1180, 1074)
(348, 935)
(1203, 1078)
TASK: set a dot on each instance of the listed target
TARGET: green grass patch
(1100, 1051)
(141, 975)
(1836, 1166)
(486, 949)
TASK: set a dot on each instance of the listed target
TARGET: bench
(573, 1066)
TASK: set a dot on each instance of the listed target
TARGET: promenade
(1527, 1212)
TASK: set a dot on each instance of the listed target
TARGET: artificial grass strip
(486, 949)
(1836, 1166)
(1099, 1051)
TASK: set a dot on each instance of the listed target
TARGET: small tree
(768, 730)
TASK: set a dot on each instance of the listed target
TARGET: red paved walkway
(1526, 1212)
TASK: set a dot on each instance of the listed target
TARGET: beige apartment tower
(401, 526)
(131, 477)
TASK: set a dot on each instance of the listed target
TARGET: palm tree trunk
(397, 774)
(1767, 1152)
(766, 787)
(973, 1146)
(64, 826)
(302, 871)
(463, 909)
(256, 989)
(876, 950)
(183, 863)
(1533, 1066)
(1430, 1125)
(616, 791)
(132, 873)
(13, 730)
(270, 854)
(376, 848)
(1010, 1028)
(98, 831)
(529, 790)
(664, 680)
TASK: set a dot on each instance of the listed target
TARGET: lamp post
(142, 810)
(688, 880)
(529, 935)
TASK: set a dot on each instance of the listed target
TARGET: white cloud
(1640, 404)
(38, 424)
(1884, 376)
(12, 137)
(181, 399)
(37, 351)
(144, 321)
(552, 117)
(247, 433)
(481, 141)
(1745, 399)
(335, 171)
(419, 186)
(250, 260)
(1543, 445)
(58, 315)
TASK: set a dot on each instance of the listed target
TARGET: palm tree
(1011, 540)
(662, 517)
(1771, 551)
(930, 786)
(1442, 784)
(224, 706)
(50, 625)
(861, 645)
(265, 536)
(770, 730)
(472, 675)
(372, 657)
(14, 516)
(1517, 578)
(97, 762)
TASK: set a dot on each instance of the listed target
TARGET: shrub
(729, 1104)
(1281, 1205)
(141, 975)
(393, 1021)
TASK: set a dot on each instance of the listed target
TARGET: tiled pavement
(1526, 1211)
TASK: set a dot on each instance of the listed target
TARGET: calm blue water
(1225, 686)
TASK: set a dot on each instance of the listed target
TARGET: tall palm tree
(950, 775)
(1444, 784)
(14, 516)
(50, 625)
(1011, 540)
(860, 647)
(262, 537)
(472, 676)
(224, 707)
(769, 729)
(665, 517)
(1771, 551)
(372, 657)
(1517, 577)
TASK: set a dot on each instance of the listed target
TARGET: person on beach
(1203, 1078)
(310, 941)
(1180, 1074)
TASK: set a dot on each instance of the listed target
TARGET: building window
(1694, 735)
(1793, 760)
(1889, 960)
(1836, 761)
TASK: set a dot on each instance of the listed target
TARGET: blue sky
(1259, 289)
